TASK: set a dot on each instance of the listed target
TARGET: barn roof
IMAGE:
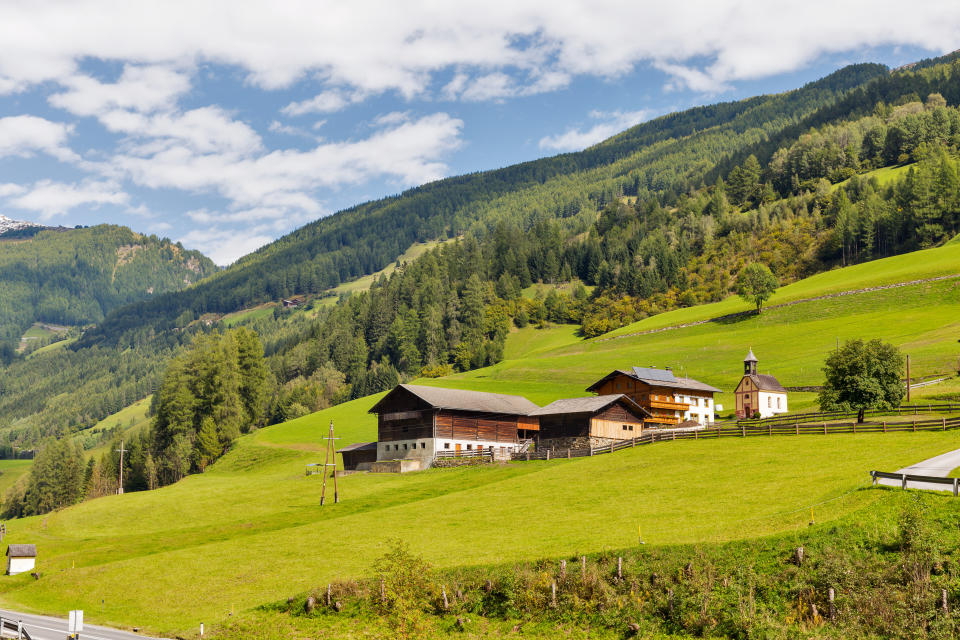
(359, 446)
(22, 550)
(462, 400)
(766, 382)
(590, 404)
(657, 377)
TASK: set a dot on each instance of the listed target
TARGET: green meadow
(251, 530)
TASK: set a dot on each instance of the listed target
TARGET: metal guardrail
(14, 627)
(906, 478)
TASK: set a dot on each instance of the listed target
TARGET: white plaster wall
(767, 398)
(703, 412)
(20, 565)
(427, 448)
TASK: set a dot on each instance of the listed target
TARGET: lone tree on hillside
(755, 284)
(863, 375)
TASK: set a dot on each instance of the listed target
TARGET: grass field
(10, 472)
(132, 420)
(362, 284)
(260, 311)
(251, 531)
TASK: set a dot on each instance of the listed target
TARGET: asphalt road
(47, 628)
(937, 466)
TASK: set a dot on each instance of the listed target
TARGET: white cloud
(49, 199)
(225, 246)
(373, 47)
(139, 88)
(409, 153)
(25, 135)
(8, 189)
(610, 124)
(326, 102)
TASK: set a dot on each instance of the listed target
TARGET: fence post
(619, 568)
(591, 450)
(568, 453)
(833, 610)
(633, 441)
(884, 426)
(956, 487)
(903, 481)
(548, 454)
(944, 424)
(528, 455)
(798, 426)
(854, 427)
(914, 424)
(824, 428)
(743, 431)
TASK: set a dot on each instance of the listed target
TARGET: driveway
(938, 466)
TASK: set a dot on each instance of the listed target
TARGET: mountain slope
(77, 276)
(663, 156)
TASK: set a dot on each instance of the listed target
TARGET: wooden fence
(821, 416)
(742, 431)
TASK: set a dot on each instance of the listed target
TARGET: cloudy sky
(225, 124)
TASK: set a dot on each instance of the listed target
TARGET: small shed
(358, 453)
(21, 558)
(593, 421)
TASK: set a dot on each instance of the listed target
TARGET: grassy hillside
(250, 530)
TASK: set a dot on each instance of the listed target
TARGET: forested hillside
(76, 276)
(661, 216)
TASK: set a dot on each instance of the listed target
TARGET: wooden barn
(591, 421)
(418, 422)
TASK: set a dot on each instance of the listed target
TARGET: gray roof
(659, 377)
(750, 357)
(766, 382)
(462, 400)
(22, 550)
(590, 404)
(359, 446)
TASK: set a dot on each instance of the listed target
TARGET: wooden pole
(331, 453)
(583, 565)
(833, 610)
(619, 568)
(908, 378)
(563, 569)
(120, 481)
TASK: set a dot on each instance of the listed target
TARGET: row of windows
(628, 427)
(396, 447)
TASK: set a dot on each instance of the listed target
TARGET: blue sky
(225, 125)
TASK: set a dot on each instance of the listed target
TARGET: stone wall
(580, 442)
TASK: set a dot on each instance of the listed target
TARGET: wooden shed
(595, 420)
(415, 421)
(21, 558)
(357, 454)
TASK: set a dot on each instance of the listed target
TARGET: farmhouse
(21, 558)
(415, 422)
(589, 422)
(759, 393)
(668, 399)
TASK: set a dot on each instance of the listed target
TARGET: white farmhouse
(759, 392)
(21, 558)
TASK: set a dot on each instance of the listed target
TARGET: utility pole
(908, 377)
(121, 450)
(331, 454)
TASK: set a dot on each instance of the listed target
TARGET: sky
(227, 124)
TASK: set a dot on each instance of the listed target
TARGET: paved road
(47, 628)
(938, 466)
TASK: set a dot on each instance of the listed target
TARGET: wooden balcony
(668, 404)
(662, 419)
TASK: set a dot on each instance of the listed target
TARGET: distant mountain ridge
(11, 227)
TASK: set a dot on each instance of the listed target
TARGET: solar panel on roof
(649, 373)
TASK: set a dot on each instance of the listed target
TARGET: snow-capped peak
(9, 224)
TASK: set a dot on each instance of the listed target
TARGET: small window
(423, 445)
(446, 445)
(769, 402)
(469, 447)
(404, 446)
(396, 447)
(778, 403)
